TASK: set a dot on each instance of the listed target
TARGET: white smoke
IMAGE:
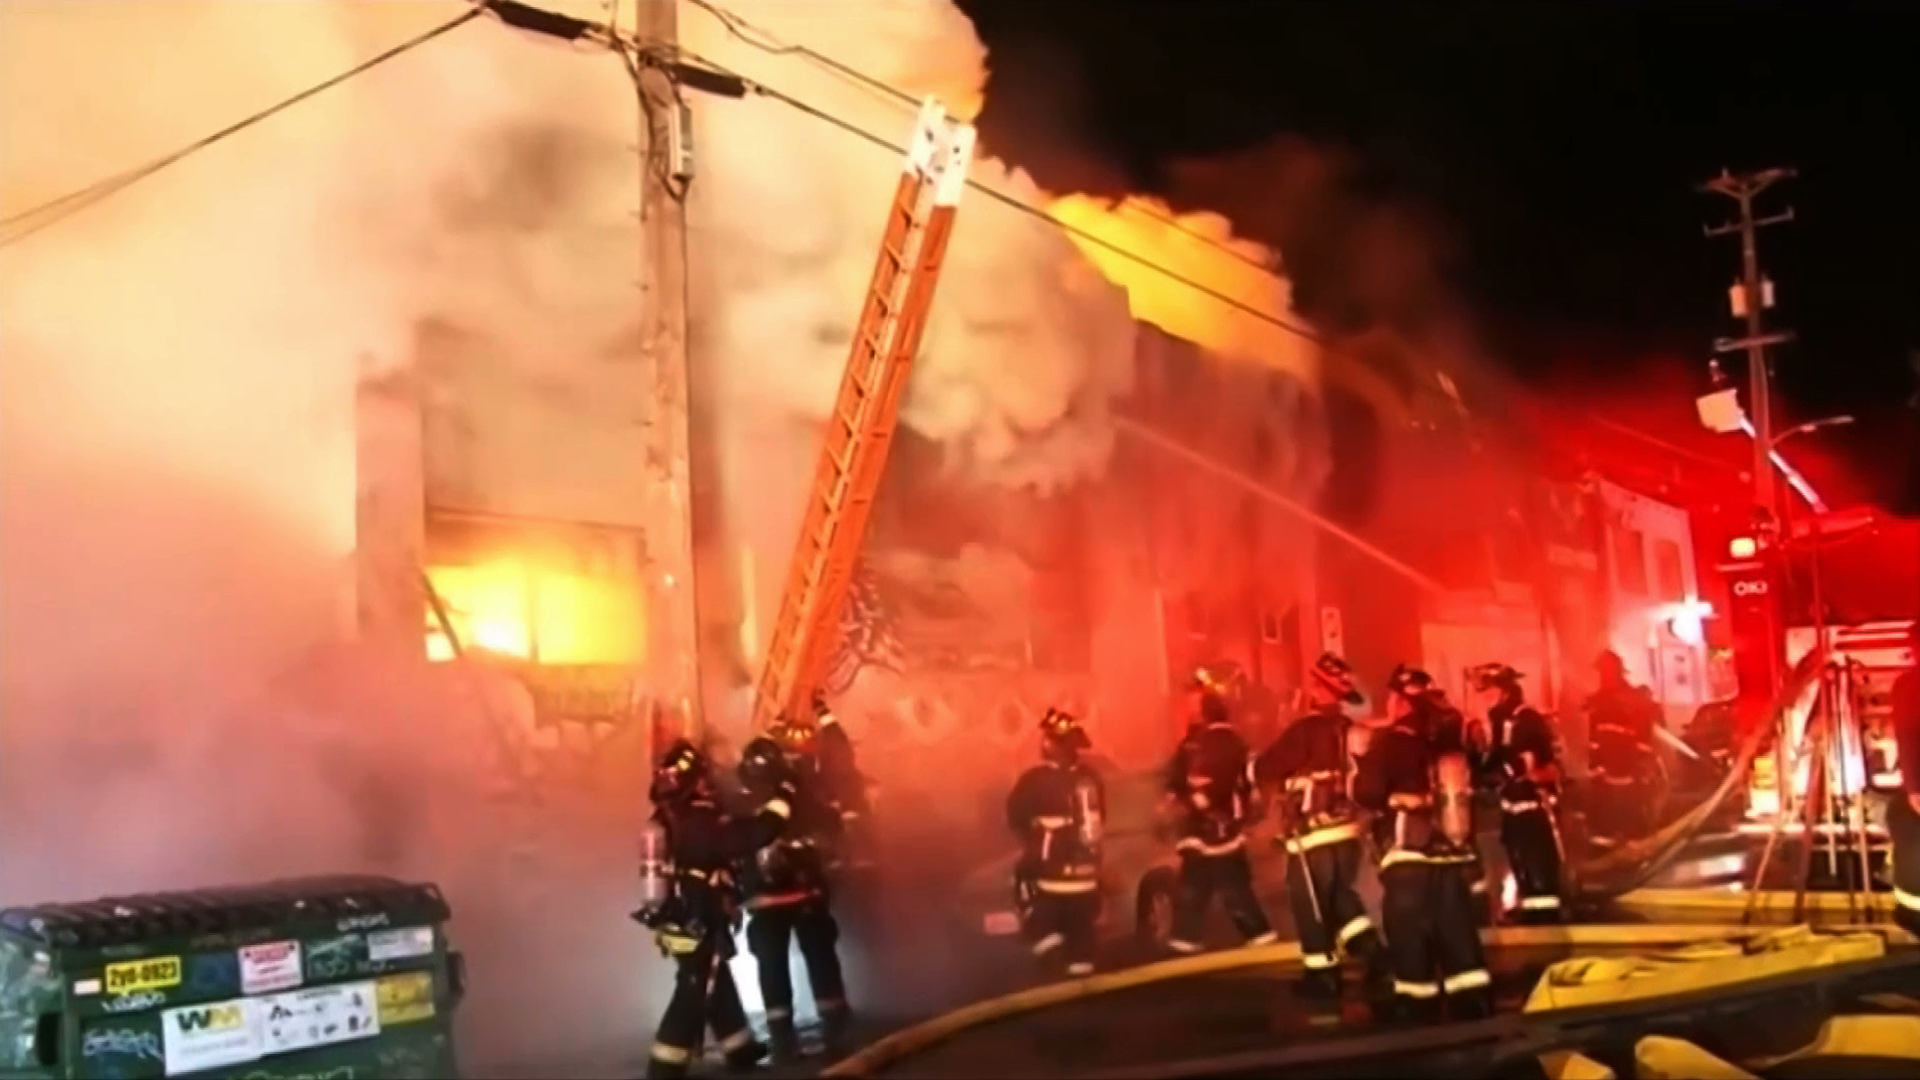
(177, 367)
(1027, 344)
(177, 374)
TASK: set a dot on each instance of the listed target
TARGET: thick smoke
(1027, 344)
(181, 708)
(1026, 348)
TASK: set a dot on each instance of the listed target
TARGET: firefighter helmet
(1061, 736)
(792, 736)
(1494, 675)
(680, 775)
(1609, 666)
(1410, 683)
(763, 763)
(1224, 678)
(1336, 675)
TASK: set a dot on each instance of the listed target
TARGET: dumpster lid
(120, 920)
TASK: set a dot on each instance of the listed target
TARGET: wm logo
(211, 1018)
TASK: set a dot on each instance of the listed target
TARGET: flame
(1142, 247)
(519, 608)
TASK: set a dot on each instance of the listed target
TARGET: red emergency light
(1742, 547)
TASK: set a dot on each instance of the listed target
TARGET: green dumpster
(337, 978)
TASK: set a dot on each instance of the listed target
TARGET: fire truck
(1853, 578)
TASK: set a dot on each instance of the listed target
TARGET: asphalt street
(1248, 1009)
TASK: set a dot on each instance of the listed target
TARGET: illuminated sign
(1742, 547)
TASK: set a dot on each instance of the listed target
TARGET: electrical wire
(761, 39)
(18, 227)
(1013, 202)
(50, 213)
(767, 42)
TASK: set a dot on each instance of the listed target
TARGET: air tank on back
(656, 868)
(1089, 812)
(1453, 784)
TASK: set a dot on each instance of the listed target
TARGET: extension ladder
(853, 455)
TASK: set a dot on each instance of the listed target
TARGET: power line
(760, 39)
(1383, 393)
(1015, 203)
(56, 210)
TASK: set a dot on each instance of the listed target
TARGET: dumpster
(337, 978)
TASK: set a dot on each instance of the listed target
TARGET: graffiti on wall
(951, 742)
(869, 637)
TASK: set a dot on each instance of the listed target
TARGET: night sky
(1555, 148)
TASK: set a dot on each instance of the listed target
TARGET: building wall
(1651, 575)
(1231, 572)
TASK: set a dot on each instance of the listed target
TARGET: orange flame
(1141, 246)
(517, 608)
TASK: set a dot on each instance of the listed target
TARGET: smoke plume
(179, 364)
(1026, 345)
(176, 450)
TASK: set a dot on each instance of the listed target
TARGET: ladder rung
(844, 481)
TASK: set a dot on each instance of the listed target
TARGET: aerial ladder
(859, 433)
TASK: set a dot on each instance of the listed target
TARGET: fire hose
(1650, 856)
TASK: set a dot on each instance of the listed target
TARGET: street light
(1720, 411)
(1811, 425)
(1792, 475)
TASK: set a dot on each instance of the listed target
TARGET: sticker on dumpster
(270, 966)
(405, 998)
(319, 1016)
(197, 1037)
(383, 945)
(133, 976)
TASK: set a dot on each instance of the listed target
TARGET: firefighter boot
(1469, 1005)
(1377, 975)
(1319, 985)
(658, 1069)
(745, 1056)
(1412, 1010)
(783, 1040)
(836, 1028)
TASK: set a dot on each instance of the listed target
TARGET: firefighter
(1444, 729)
(1058, 810)
(1311, 765)
(788, 901)
(1621, 719)
(1433, 940)
(691, 903)
(1209, 791)
(1445, 724)
(1521, 767)
(1903, 815)
(843, 786)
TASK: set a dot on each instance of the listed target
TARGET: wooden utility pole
(1752, 295)
(673, 625)
(390, 512)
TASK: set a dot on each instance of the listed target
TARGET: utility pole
(673, 625)
(1751, 297)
